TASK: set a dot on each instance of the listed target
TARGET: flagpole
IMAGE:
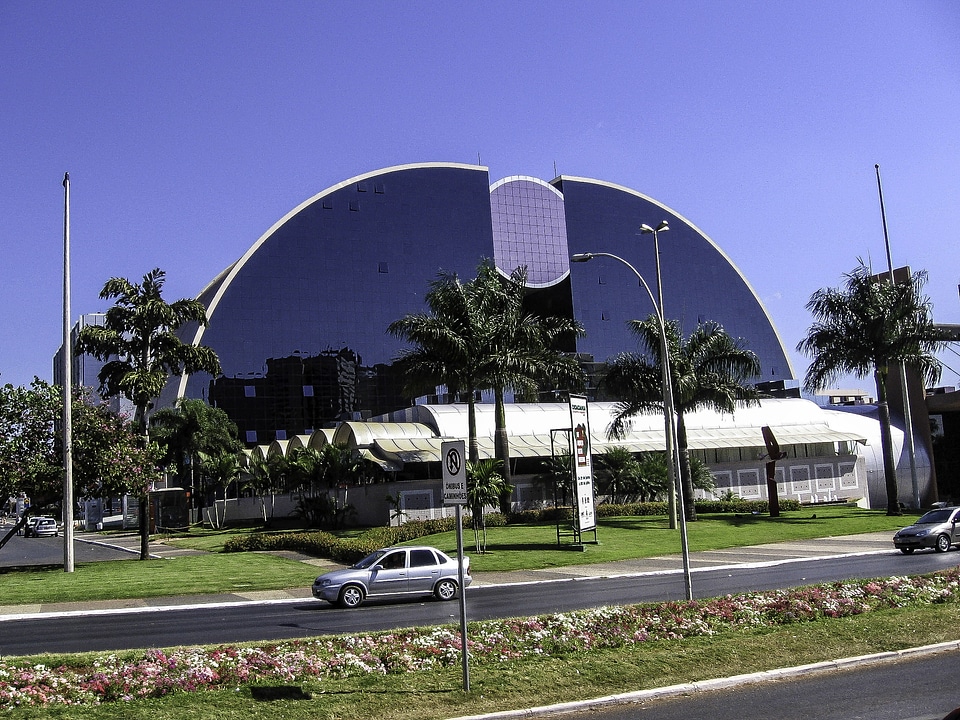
(68, 556)
(907, 412)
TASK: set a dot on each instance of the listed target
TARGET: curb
(704, 686)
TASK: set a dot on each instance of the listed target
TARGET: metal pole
(907, 412)
(668, 407)
(465, 655)
(68, 556)
(667, 382)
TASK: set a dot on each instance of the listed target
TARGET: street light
(668, 408)
(647, 230)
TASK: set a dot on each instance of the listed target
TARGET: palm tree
(448, 343)
(867, 326)
(477, 336)
(557, 476)
(485, 485)
(192, 427)
(620, 471)
(140, 350)
(523, 353)
(221, 470)
(709, 370)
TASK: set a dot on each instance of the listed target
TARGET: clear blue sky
(189, 128)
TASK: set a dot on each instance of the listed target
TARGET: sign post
(586, 515)
(453, 461)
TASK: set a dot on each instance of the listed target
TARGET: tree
(485, 485)
(330, 468)
(140, 350)
(262, 476)
(867, 326)
(108, 457)
(191, 428)
(477, 336)
(220, 470)
(619, 471)
(522, 353)
(557, 476)
(709, 370)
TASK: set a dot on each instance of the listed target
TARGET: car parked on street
(936, 529)
(41, 527)
(393, 572)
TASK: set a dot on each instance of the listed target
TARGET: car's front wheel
(906, 551)
(351, 596)
(943, 543)
(445, 590)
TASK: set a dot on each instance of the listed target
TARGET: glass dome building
(299, 321)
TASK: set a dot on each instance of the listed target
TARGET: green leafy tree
(866, 327)
(108, 455)
(319, 475)
(652, 480)
(522, 353)
(557, 476)
(191, 428)
(485, 485)
(477, 336)
(619, 473)
(140, 349)
(709, 370)
(260, 476)
(219, 471)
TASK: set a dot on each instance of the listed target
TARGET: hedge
(349, 550)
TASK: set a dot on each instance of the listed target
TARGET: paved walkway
(768, 553)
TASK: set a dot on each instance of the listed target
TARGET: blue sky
(189, 128)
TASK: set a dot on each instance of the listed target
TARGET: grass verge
(126, 579)
(531, 683)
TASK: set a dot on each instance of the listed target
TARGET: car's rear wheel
(351, 596)
(445, 590)
(906, 551)
(943, 543)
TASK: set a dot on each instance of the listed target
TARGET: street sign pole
(453, 460)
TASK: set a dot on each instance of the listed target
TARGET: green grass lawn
(534, 547)
(124, 579)
(515, 547)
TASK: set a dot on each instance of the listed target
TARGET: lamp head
(647, 230)
(582, 257)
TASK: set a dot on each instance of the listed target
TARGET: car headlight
(922, 533)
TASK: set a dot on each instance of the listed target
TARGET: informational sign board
(454, 464)
(586, 516)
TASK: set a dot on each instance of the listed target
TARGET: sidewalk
(770, 553)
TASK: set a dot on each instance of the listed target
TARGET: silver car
(393, 571)
(936, 529)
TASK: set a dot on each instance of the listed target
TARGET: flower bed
(160, 673)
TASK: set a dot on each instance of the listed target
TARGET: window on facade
(251, 436)
(281, 434)
(308, 390)
(383, 268)
(249, 391)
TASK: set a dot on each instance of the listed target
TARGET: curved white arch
(763, 308)
(227, 276)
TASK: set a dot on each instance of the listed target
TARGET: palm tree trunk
(689, 504)
(886, 445)
(502, 448)
(473, 444)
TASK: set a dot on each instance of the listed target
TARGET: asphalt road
(920, 688)
(178, 624)
(45, 551)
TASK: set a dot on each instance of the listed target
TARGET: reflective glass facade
(299, 322)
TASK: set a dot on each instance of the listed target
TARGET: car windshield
(935, 516)
(370, 560)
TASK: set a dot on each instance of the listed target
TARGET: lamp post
(647, 230)
(668, 409)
